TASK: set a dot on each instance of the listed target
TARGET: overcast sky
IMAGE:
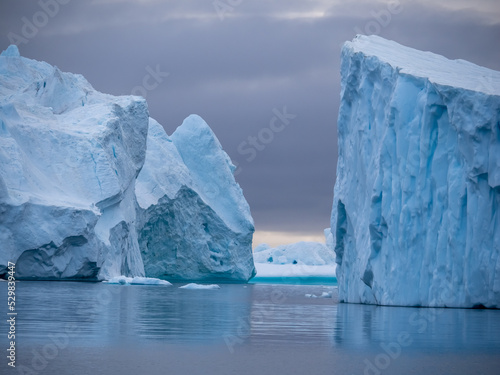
(237, 63)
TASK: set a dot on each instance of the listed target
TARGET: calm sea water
(93, 328)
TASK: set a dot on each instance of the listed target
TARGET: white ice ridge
(415, 218)
(92, 188)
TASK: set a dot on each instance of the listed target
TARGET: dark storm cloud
(263, 56)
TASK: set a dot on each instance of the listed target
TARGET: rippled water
(93, 328)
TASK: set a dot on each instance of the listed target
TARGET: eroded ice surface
(69, 157)
(303, 252)
(415, 217)
(90, 186)
(193, 220)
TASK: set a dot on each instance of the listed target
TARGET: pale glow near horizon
(275, 238)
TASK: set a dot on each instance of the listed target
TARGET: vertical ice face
(415, 217)
(194, 222)
(69, 157)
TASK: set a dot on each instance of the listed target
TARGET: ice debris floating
(322, 295)
(92, 188)
(200, 286)
(123, 280)
(415, 217)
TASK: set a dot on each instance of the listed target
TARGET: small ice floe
(199, 286)
(123, 280)
(323, 295)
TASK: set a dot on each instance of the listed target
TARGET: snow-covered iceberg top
(415, 218)
(55, 123)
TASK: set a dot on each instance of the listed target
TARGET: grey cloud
(234, 72)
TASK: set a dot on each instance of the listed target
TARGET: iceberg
(69, 157)
(92, 188)
(193, 222)
(304, 252)
(415, 219)
(297, 260)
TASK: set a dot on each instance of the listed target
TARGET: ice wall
(194, 222)
(415, 218)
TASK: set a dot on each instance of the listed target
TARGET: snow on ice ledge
(415, 218)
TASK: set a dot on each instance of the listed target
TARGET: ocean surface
(94, 328)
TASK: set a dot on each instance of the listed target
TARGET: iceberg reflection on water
(271, 328)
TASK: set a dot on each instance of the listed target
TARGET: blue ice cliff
(92, 188)
(416, 213)
(193, 222)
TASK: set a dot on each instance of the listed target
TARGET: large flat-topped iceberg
(415, 217)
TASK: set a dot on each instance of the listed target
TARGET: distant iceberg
(304, 252)
(296, 260)
(415, 218)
